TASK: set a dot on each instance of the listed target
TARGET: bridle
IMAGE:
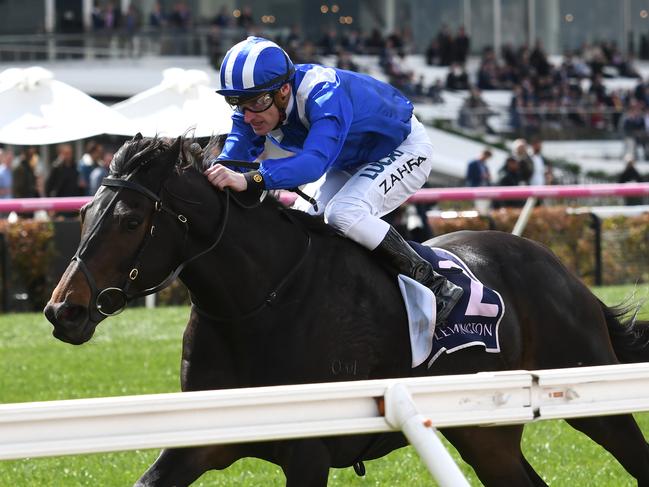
(111, 301)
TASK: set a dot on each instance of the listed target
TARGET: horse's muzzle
(71, 322)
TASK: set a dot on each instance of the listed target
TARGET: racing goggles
(257, 104)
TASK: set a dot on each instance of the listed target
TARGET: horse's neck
(259, 247)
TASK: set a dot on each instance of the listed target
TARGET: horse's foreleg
(495, 455)
(305, 463)
(179, 467)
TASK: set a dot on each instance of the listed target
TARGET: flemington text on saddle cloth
(473, 321)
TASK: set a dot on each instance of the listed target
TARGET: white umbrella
(182, 102)
(38, 110)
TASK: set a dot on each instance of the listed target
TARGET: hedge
(30, 249)
(625, 248)
(625, 240)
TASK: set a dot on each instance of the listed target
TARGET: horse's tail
(630, 336)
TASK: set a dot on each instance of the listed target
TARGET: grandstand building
(559, 24)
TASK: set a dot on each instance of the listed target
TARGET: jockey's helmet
(252, 67)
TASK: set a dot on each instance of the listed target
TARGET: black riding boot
(396, 252)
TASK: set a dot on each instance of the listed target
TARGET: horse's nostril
(69, 313)
(65, 315)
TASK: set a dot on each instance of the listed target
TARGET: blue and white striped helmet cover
(255, 65)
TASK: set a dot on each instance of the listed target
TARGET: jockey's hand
(222, 177)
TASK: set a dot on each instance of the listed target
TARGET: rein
(272, 296)
(113, 300)
(255, 165)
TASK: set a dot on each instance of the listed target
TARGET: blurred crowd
(24, 175)
(526, 165)
(545, 97)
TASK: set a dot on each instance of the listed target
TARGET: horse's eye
(132, 224)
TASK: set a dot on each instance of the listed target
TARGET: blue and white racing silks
(334, 119)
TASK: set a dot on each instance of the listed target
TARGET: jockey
(357, 132)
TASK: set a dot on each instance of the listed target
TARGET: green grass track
(138, 352)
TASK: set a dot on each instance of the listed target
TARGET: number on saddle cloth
(476, 317)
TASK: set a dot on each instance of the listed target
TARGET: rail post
(401, 412)
(524, 216)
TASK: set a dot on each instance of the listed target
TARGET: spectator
(634, 129)
(112, 16)
(157, 17)
(461, 45)
(488, 76)
(510, 176)
(63, 179)
(352, 42)
(245, 20)
(396, 39)
(432, 53)
(435, 92)
(477, 175)
(88, 162)
(132, 21)
(538, 164)
(375, 42)
(214, 48)
(549, 178)
(6, 160)
(96, 17)
(445, 43)
(525, 165)
(474, 112)
(401, 76)
(181, 17)
(457, 78)
(294, 38)
(630, 175)
(345, 61)
(99, 173)
(24, 179)
(328, 44)
(222, 18)
(539, 60)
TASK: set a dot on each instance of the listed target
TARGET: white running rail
(414, 405)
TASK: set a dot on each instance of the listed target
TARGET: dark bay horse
(280, 298)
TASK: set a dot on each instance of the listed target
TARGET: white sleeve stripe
(248, 76)
(229, 68)
(314, 76)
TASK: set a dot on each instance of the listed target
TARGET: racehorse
(280, 298)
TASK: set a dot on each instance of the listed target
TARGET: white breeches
(354, 202)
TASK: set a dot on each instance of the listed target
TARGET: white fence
(415, 405)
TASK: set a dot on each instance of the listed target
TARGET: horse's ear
(172, 154)
(137, 137)
(175, 147)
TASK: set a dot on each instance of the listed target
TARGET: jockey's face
(265, 121)
(262, 122)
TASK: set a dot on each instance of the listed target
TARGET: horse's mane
(136, 152)
(315, 224)
(140, 150)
